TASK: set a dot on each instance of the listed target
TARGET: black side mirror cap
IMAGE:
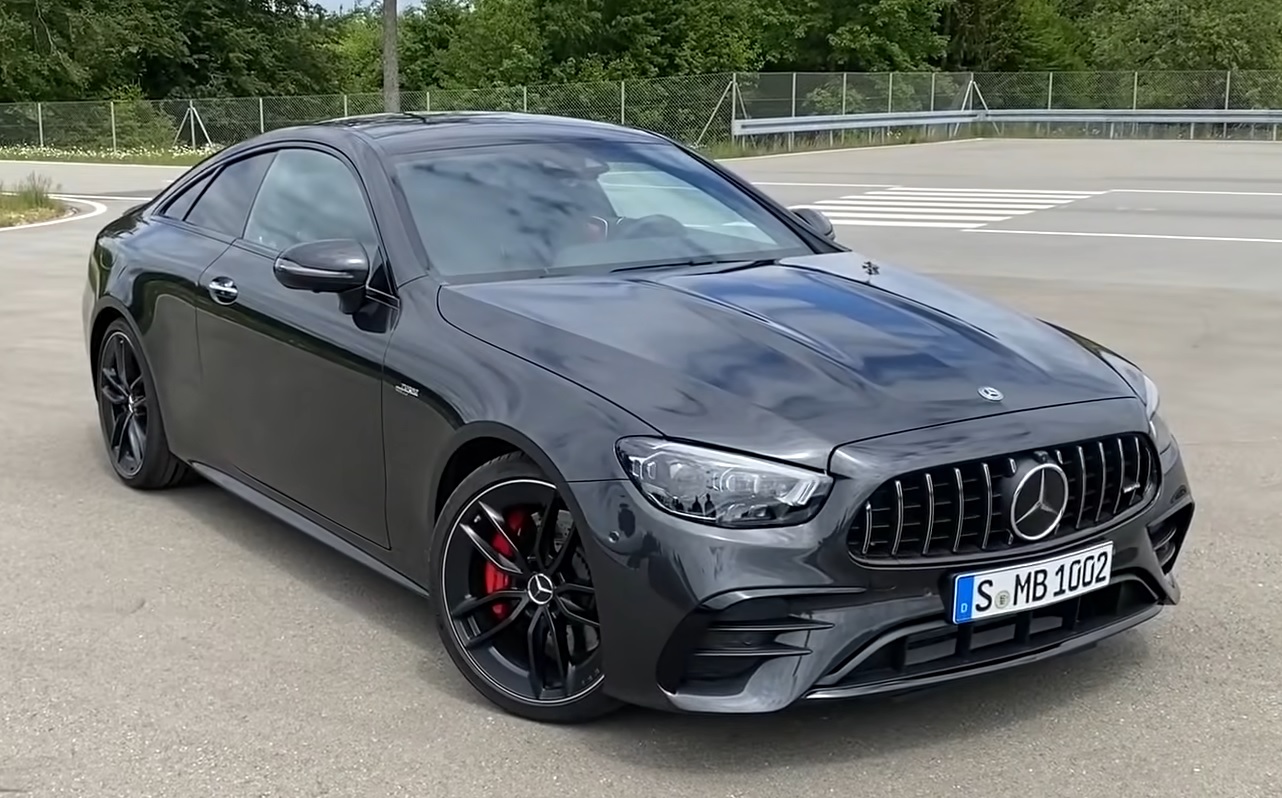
(331, 266)
(815, 220)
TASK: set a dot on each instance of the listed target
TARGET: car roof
(396, 133)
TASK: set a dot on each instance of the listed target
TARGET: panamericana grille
(961, 508)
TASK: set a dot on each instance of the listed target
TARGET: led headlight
(1162, 437)
(720, 488)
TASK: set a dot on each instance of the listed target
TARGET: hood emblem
(991, 394)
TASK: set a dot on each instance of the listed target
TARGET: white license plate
(987, 594)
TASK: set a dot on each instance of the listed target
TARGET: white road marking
(824, 185)
(880, 201)
(1232, 239)
(964, 209)
(937, 216)
(916, 223)
(96, 209)
(1019, 191)
(106, 197)
(1190, 191)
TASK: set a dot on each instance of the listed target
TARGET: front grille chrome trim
(930, 515)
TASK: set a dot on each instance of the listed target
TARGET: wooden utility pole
(391, 68)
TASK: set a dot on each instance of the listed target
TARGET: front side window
(561, 207)
(225, 204)
(309, 195)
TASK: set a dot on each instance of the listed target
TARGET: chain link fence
(696, 109)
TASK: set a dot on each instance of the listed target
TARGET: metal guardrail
(835, 122)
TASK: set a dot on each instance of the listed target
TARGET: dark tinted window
(309, 196)
(177, 209)
(225, 204)
(562, 206)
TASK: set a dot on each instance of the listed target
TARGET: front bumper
(698, 619)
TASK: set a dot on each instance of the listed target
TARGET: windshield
(553, 207)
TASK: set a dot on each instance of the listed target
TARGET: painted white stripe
(889, 223)
(1022, 191)
(879, 202)
(1230, 239)
(106, 197)
(1208, 193)
(921, 195)
(825, 185)
(937, 217)
(95, 209)
(915, 196)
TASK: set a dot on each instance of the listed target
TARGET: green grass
(28, 201)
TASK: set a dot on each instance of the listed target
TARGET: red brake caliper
(496, 580)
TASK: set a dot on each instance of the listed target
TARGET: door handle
(223, 290)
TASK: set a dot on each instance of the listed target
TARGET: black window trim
(380, 259)
(213, 174)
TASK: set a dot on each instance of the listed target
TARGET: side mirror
(332, 266)
(815, 220)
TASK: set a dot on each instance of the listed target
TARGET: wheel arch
(109, 310)
(473, 445)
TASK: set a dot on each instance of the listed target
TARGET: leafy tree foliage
(93, 49)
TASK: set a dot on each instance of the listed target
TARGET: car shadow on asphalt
(847, 731)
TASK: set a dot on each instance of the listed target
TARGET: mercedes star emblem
(1038, 502)
(540, 589)
(990, 393)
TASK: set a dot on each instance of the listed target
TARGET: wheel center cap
(540, 589)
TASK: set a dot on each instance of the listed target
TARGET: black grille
(960, 509)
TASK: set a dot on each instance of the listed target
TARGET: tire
(154, 466)
(552, 618)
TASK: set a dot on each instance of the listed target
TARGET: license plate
(987, 594)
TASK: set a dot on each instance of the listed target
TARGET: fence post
(623, 102)
(792, 137)
(932, 90)
(525, 99)
(191, 107)
(111, 104)
(346, 111)
(1050, 90)
(1135, 91)
(262, 117)
(1228, 88)
(427, 97)
(40, 123)
(890, 93)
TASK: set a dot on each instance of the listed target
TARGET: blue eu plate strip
(962, 597)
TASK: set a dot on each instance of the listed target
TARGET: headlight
(1162, 437)
(728, 490)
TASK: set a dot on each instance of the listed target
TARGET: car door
(293, 383)
(183, 237)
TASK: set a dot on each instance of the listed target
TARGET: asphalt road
(186, 645)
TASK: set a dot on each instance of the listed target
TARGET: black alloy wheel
(129, 415)
(515, 601)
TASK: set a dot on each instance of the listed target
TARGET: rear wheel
(515, 602)
(132, 429)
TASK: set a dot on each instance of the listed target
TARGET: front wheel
(515, 602)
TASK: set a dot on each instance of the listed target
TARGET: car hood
(787, 360)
